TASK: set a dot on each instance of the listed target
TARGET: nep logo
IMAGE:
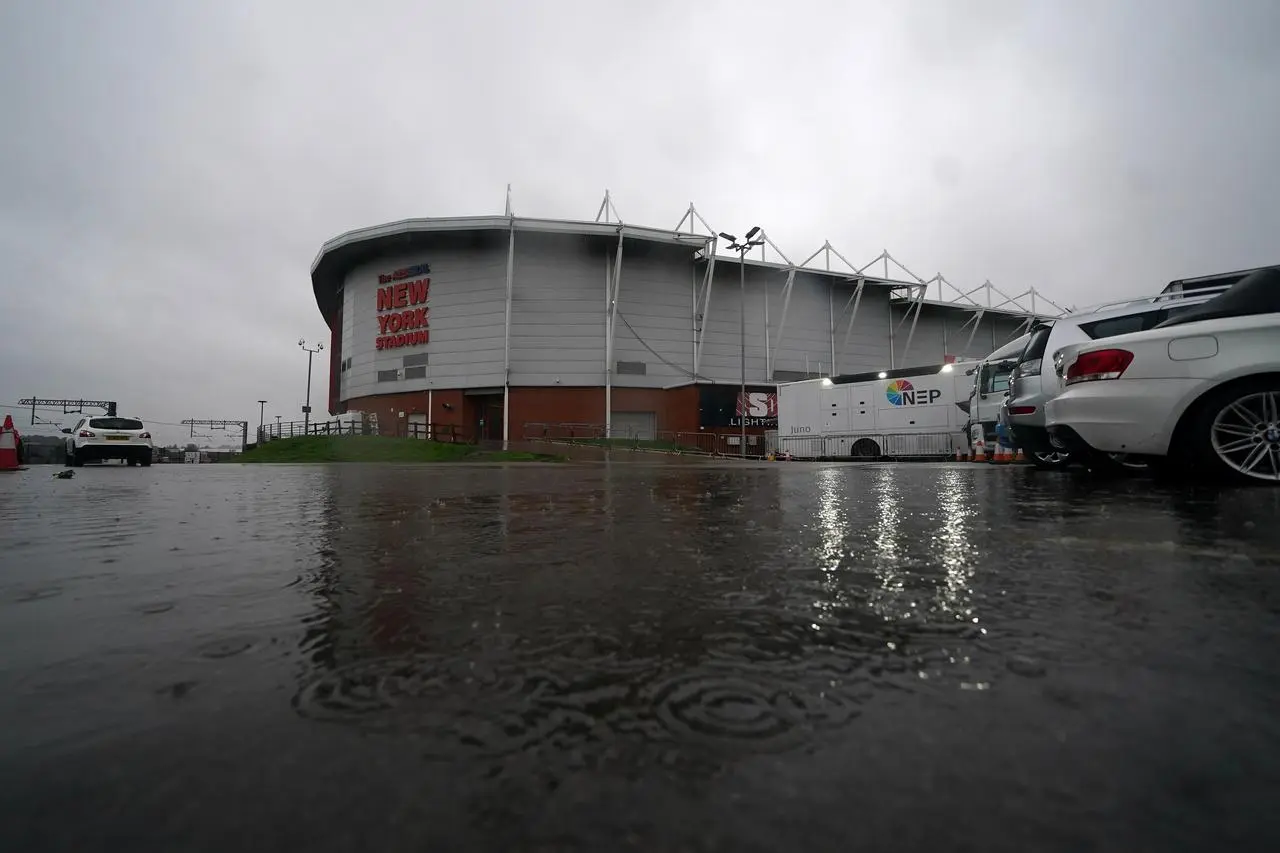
(902, 393)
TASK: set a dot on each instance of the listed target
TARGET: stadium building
(507, 327)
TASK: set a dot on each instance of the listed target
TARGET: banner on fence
(722, 406)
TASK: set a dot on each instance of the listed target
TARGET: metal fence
(701, 442)
(564, 432)
(868, 446)
(294, 429)
(447, 433)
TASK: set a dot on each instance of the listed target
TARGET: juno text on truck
(915, 411)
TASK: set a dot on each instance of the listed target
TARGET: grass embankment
(372, 448)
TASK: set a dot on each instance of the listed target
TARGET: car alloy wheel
(1245, 435)
(1125, 460)
(1055, 459)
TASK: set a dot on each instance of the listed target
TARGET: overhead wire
(676, 367)
(27, 408)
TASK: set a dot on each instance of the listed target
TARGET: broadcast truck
(909, 412)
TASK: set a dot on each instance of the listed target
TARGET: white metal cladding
(348, 341)
(467, 322)
(558, 322)
(721, 346)
(942, 331)
(819, 308)
(557, 310)
(561, 275)
(655, 316)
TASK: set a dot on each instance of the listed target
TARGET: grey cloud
(169, 170)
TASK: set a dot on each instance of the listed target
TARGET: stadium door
(486, 412)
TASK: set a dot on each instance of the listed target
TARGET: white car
(1034, 383)
(1201, 389)
(108, 437)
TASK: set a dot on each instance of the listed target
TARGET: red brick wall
(445, 407)
(555, 406)
(676, 409)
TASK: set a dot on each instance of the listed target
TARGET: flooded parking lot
(667, 656)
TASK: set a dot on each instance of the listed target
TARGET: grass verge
(372, 448)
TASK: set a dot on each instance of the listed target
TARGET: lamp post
(262, 416)
(747, 244)
(306, 410)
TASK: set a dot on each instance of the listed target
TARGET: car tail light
(84, 433)
(1099, 364)
(1022, 410)
(1030, 368)
(144, 435)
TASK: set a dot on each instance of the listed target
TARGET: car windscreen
(114, 423)
(1036, 345)
(995, 383)
(1113, 326)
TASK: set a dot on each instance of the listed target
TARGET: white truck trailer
(910, 412)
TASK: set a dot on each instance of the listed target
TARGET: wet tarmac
(665, 657)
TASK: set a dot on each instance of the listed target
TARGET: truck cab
(990, 385)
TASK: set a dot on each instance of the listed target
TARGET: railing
(449, 433)
(668, 441)
(294, 429)
(771, 441)
(446, 433)
(871, 446)
(865, 446)
(563, 432)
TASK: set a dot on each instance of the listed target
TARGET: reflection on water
(889, 520)
(685, 608)
(952, 546)
(677, 617)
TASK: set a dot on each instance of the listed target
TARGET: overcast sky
(168, 170)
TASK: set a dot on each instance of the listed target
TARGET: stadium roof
(339, 255)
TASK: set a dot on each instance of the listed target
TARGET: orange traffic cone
(960, 454)
(1020, 456)
(979, 453)
(8, 446)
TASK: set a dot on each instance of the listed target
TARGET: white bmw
(1201, 389)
